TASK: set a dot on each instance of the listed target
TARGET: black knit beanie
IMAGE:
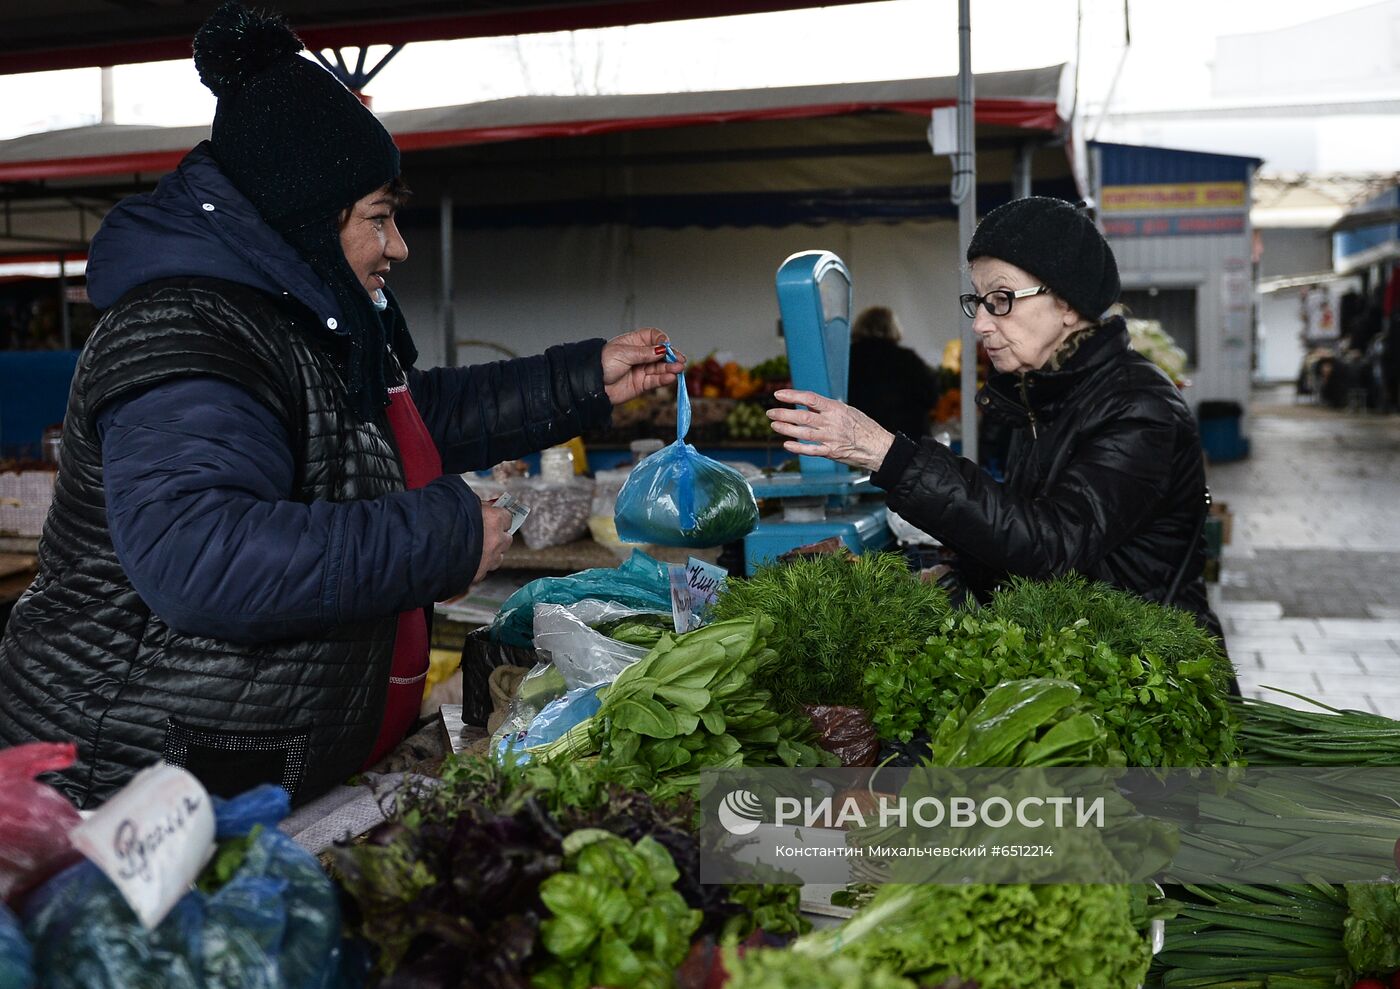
(1056, 242)
(302, 148)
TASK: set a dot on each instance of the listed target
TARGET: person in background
(889, 382)
(259, 493)
(1105, 474)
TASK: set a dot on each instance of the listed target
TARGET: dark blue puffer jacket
(229, 545)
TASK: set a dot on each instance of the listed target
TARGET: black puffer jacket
(1105, 478)
(84, 657)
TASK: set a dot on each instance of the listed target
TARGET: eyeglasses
(997, 303)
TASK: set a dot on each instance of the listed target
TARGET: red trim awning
(1021, 113)
(141, 40)
(1011, 113)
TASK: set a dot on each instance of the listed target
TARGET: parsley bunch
(1155, 712)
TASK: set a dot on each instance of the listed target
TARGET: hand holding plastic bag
(677, 497)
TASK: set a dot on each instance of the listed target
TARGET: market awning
(1026, 99)
(762, 156)
(67, 34)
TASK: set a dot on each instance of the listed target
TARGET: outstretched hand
(832, 430)
(635, 363)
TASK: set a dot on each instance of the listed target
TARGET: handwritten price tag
(151, 839)
(706, 581)
(694, 587)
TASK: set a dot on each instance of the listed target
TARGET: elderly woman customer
(259, 497)
(1105, 475)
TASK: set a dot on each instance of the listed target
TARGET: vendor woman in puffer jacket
(259, 495)
(1105, 475)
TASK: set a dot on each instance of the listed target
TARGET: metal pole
(109, 115)
(965, 194)
(1021, 171)
(449, 313)
(63, 319)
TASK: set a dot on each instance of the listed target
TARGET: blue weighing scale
(822, 500)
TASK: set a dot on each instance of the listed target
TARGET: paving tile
(1344, 628)
(1388, 707)
(1270, 628)
(1250, 609)
(1303, 683)
(1268, 646)
(1345, 662)
(1362, 647)
(1378, 662)
(1371, 686)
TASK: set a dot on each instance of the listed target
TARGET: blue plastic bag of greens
(640, 583)
(16, 958)
(677, 497)
(264, 916)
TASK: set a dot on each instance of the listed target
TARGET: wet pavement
(1309, 589)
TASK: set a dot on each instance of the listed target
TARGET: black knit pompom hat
(302, 148)
(1055, 241)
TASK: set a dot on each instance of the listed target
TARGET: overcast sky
(1167, 65)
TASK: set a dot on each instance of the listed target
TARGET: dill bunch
(833, 617)
(1120, 618)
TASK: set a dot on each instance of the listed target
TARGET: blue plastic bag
(274, 925)
(553, 722)
(640, 583)
(678, 497)
(16, 958)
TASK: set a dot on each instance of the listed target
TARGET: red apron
(421, 464)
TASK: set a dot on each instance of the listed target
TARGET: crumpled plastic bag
(845, 732)
(678, 497)
(275, 924)
(550, 724)
(565, 635)
(640, 583)
(34, 817)
(577, 662)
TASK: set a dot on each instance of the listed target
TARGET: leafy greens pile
(1156, 713)
(1125, 622)
(789, 970)
(833, 616)
(449, 893)
(615, 920)
(692, 704)
(1011, 937)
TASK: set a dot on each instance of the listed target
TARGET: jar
(557, 465)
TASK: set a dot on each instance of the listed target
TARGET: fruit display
(748, 421)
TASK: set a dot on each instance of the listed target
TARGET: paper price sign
(152, 839)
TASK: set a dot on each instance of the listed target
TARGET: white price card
(152, 839)
(706, 581)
